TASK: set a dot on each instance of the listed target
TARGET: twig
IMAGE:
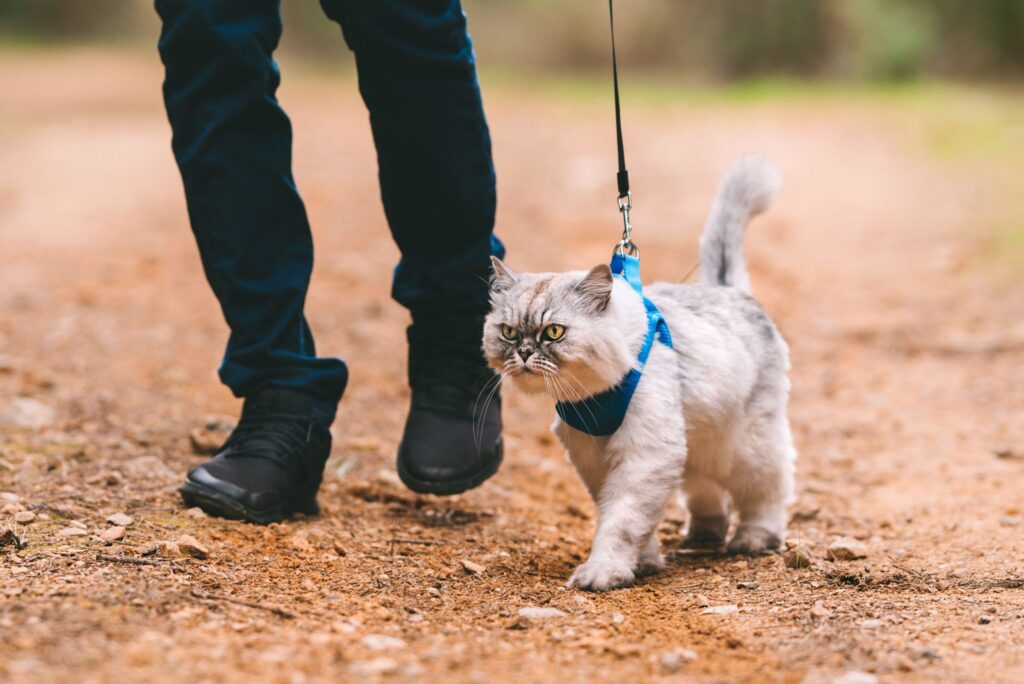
(922, 577)
(126, 559)
(280, 612)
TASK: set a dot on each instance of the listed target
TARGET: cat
(708, 415)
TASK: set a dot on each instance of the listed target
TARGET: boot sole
(218, 504)
(451, 487)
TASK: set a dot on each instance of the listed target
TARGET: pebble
(383, 642)
(191, 546)
(985, 619)
(12, 507)
(169, 550)
(673, 661)
(112, 534)
(618, 618)
(720, 610)
(196, 513)
(819, 610)
(24, 517)
(25, 412)
(846, 548)
(856, 677)
(536, 613)
(120, 519)
(798, 557)
(377, 666)
(747, 585)
(10, 497)
(78, 524)
(702, 601)
(473, 568)
(72, 532)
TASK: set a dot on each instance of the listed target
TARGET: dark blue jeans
(232, 142)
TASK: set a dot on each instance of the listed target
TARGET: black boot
(452, 440)
(271, 465)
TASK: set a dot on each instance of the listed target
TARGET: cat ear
(596, 287)
(504, 277)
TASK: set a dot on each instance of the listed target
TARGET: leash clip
(626, 244)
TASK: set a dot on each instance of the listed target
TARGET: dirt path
(908, 375)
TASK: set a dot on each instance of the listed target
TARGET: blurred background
(892, 260)
(688, 40)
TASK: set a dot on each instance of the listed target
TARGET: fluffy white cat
(708, 415)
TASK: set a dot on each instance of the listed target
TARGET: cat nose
(525, 353)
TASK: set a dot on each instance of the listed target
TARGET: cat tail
(745, 192)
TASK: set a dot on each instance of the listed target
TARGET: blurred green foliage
(882, 40)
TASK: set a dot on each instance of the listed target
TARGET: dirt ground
(907, 407)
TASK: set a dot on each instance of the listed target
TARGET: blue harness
(602, 414)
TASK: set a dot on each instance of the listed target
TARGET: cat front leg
(630, 502)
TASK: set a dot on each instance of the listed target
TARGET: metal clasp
(626, 244)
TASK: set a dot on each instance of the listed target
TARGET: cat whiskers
(489, 389)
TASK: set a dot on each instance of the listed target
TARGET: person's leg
(232, 143)
(417, 75)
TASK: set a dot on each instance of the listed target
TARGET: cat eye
(508, 332)
(554, 332)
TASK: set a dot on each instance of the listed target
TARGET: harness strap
(602, 414)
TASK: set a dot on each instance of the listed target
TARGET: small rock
(9, 497)
(720, 610)
(12, 507)
(872, 624)
(112, 534)
(24, 517)
(120, 519)
(375, 667)
(845, 549)
(673, 661)
(702, 601)
(798, 557)
(72, 532)
(211, 435)
(434, 591)
(340, 550)
(580, 600)
(856, 677)
(77, 523)
(747, 585)
(985, 619)
(535, 613)
(819, 610)
(1008, 454)
(195, 513)
(383, 642)
(169, 550)
(25, 412)
(473, 568)
(189, 545)
(618, 618)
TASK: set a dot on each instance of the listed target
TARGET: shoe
(271, 465)
(452, 440)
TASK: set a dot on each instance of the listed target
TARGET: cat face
(555, 332)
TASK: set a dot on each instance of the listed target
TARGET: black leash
(622, 177)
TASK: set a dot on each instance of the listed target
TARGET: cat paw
(650, 565)
(601, 576)
(754, 540)
(706, 532)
